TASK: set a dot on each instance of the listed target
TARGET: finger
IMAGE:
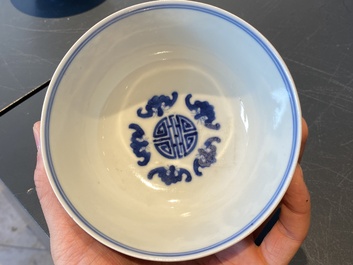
(260, 232)
(244, 252)
(305, 134)
(287, 235)
(40, 179)
(49, 203)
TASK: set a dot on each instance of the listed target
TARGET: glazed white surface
(94, 95)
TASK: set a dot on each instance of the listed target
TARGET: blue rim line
(213, 13)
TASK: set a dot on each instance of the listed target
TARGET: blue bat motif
(170, 175)
(204, 111)
(138, 144)
(157, 105)
(206, 156)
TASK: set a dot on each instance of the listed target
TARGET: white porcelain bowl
(171, 130)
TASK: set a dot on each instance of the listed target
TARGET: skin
(71, 245)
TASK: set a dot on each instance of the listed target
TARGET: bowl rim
(198, 7)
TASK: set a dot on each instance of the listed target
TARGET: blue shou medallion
(175, 137)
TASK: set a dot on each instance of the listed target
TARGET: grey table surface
(315, 39)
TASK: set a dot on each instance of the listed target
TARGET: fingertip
(36, 134)
(305, 134)
(305, 130)
(292, 227)
(299, 171)
(297, 197)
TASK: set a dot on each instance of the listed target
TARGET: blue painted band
(198, 8)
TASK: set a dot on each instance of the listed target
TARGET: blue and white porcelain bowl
(171, 130)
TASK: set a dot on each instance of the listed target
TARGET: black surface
(31, 46)
(23, 98)
(315, 39)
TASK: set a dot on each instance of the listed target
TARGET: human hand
(72, 245)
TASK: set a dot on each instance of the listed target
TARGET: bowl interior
(155, 65)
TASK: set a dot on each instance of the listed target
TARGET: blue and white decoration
(206, 156)
(139, 144)
(204, 112)
(157, 105)
(170, 174)
(175, 136)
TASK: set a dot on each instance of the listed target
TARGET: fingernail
(36, 133)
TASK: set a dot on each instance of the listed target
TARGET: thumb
(48, 201)
(40, 178)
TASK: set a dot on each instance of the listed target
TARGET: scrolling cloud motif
(139, 144)
(175, 137)
(206, 156)
(157, 104)
(170, 174)
(204, 112)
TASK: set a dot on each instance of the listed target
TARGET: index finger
(289, 232)
(305, 133)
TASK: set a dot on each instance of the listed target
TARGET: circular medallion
(175, 136)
